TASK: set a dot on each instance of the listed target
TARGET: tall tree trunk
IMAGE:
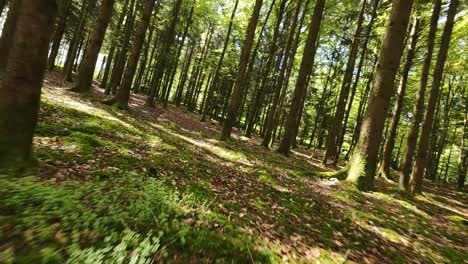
(463, 160)
(215, 81)
(58, 34)
(269, 125)
(168, 42)
(420, 98)
(88, 65)
(2, 6)
(335, 131)
(390, 143)
(121, 59)
(236, 95)
(421, 155)
(8, 32)
(20, 89)
(364, 160)
(123, 94)
(305, 70)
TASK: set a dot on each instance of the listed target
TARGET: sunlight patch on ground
(63, 99)
(218, 151)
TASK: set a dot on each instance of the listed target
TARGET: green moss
(453, 255)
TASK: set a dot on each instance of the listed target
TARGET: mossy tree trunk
(423, 144)
(86, 72)
(20, 89)
(363, 162)
(305, 70)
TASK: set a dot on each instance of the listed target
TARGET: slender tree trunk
(20, 89)
(123, 94)
(420, 98)
(88, 65)
(390, 143)
(168, 42)
(58, 34)
(421, 155)
(215, 81)
(335, 131)
(121, 58)
(463, 160)
(236, 95)
(305, 70)
(8, 32)
(2, 6)
(364, 160)
(269, 126)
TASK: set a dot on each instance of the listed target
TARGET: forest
(233, 131)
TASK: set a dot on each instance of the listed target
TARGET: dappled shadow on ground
(273, 199)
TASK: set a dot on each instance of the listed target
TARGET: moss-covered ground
(156, 185)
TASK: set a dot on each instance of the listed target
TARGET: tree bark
(88, 65)
(123, 94)
(214, 83)
(390, 143)
(8, 32)
(236, 96)
(20, 90)
(421, 155)
(335, 131)
(305, 70)
(58, 34)
(364, 159)
(420, 98)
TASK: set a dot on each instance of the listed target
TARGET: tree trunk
(335, 131)
(364, 160)
(168, 42)
(305, 70)
(390, 143)
(123, 94)
(86, 73)
(421, 155)
(420, 98)
(58, 35)
(20, 90)
(236, 95)
(269, 125)
(463, 160)
(121, 58)
(215, 81)
(8, 32)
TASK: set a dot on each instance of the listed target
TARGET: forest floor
(157, 185)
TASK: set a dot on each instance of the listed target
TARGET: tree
(8, 31)
(363, 162)
(420, 98)
(123, 94)
(305, 70)
(421, 155)
(215, 81)
(334, 133)
(392, 131)
(20, 89)
(236, 95)
(88, 65)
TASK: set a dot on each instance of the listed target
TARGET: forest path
(162, 173)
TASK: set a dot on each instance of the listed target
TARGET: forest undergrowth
(150, 185)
